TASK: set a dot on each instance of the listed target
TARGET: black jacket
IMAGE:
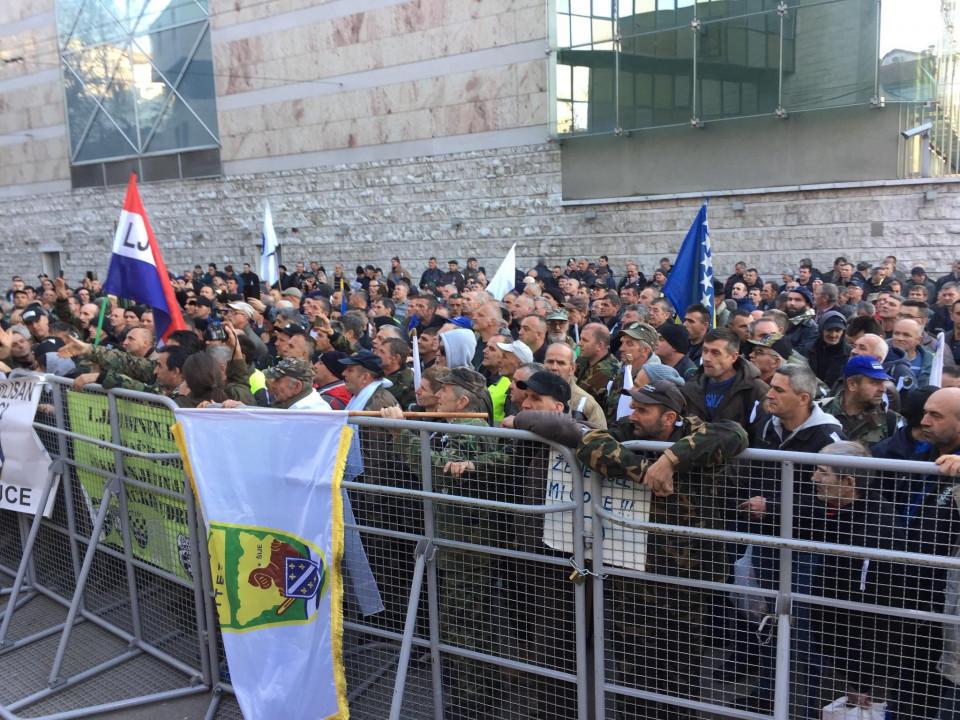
(742, 402)
(827, 361)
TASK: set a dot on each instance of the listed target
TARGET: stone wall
(476, 204)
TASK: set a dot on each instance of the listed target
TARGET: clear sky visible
(910, 25)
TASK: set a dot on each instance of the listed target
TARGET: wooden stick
(376, 413)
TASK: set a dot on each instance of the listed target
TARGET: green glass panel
(657, 69)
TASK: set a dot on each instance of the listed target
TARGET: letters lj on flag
(274, 513)
(137, 271)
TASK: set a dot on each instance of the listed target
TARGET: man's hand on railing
(81, 381)
(73, 348)
(458, 468)
(949, 464)
(756, 506)
(659, 477)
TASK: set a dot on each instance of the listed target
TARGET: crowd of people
(837, 362)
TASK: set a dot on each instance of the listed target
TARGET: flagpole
(103, 312)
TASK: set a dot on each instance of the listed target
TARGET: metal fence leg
(109, 490)
(781, 696)
(425, 552)
(25, 559)
(433, 587)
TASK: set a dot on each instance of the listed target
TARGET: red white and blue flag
(136, 269)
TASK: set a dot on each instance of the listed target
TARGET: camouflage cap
(290, 367)
(643, 332)
(558, 314)
(774, 341)
(469, 380)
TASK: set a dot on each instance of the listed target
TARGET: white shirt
(313, 401)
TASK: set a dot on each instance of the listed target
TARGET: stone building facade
(407, 127)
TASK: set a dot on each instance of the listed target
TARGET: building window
(138, 79)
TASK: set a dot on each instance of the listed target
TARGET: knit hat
(676, 336)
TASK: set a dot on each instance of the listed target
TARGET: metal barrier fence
(518, 586)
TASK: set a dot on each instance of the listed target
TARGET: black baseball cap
(32, 313)
(331, 360)
(293, 328)
(546, 383)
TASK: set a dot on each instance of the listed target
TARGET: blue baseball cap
(864, 365)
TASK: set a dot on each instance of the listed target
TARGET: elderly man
(768, 354)
(533, 334)
(908, 337)
(393, 354)
(560, 360)
(363, 376)
(637, 342)
(241, 316)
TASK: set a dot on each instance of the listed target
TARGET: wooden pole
(419, 415)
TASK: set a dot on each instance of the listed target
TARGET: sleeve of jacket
(113, 363)
(62, 309)
(709, 444)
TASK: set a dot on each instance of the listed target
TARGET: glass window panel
(580, 7)
(910, 35)
(86, 175)
(580, 31)
(581, 121)
(564, 117)
(731, 99)
(604, 46)
(82, 107)
(563, 31)
(162, 167)
(201, 163)
(627, 95)
(563, 6)
(178, 128)
(602, 30)
(197, 88)
(564, 82)
(711, 98)
(581, 83)
(835, 51)
(118, 172)
(603, 8)
(661, 65)
(757, 49)
(93, 24)
(104, 140)
(158, 14)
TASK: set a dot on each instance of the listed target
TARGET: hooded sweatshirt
(459, 347)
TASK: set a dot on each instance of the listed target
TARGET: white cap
(524, 354)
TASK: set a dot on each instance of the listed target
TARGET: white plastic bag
(839, 709)
(753, 606)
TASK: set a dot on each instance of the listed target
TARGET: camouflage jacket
(457, 522)
(596, 378)
(613, 397)
(114, 363)
(698, 498)
(867, 428)
(402, 388)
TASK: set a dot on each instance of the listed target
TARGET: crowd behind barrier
(540, 582)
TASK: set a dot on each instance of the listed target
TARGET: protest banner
(24, 462)
(158, 521)
(622, 546)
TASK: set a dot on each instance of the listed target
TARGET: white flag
(274, 513)
(269, 266)
(936, 371)
(623, 404)
(506, 276)
(417, 372)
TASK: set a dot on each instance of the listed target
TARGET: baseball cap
(469, 380)
(863, 365)
(774, 341)
(558, 314)
(243, 307)
(366, 360)
(546, 383)
(292, 292)
(529, 280)
(293, 328)
(290, 367)
(641, 331)
(206, 302)
(523, 352)
(599, 283)
(917, 270)
(863, 265)
(32, 314)
(658, 392)
(461, 321)
(676, 336)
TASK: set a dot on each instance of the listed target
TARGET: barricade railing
(520, 585)
(115, 556)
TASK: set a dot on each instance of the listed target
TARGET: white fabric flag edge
(506, 276)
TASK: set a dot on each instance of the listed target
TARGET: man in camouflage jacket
(656, 631)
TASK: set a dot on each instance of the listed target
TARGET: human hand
(756, 506)
(60, 286)
(228, 404)
(507, 422)
(256, 304)
(73, 347)
(393, 412)
(659, 477)
(81, 381)
(949, 464)
(458, 468)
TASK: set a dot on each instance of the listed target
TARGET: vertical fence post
(781, 697)
(63, 447)
(124, 520)
(580, 590)
(595, 536)
(433, 593)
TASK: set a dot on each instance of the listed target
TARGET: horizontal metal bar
(939, 561)
(105, 444)
(132, 702)
(133, 482)
(722, 710)
(460, 499)
(470, 654)
(40, 635)
(73, 680)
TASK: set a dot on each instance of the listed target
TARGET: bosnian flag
(136, 269)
